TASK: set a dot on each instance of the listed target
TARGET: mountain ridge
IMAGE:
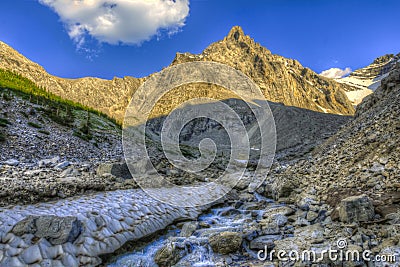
(281, 79)
(112, 96)
(367, 79)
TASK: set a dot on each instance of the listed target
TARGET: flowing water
(197, 250)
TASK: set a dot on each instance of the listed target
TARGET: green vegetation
(56, 108)
(86, 137)
(34, 125)
(47, 106)
(4, 122)
(24, 114)
(84, 129)
(44, 132)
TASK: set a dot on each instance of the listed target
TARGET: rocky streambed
(86, 230)
(245, 231)
(98, 228)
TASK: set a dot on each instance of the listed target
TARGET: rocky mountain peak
(236, 33)
(281, 79)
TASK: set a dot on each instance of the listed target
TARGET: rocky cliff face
(281, 79)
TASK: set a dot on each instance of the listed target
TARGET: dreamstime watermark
(240, 134)
(341, 254)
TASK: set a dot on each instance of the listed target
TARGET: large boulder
(169, 254)
(356, 209)
(57, 230)
(188, 229)
(118, 169)
(225, 242)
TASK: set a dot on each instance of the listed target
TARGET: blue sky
(321, 34)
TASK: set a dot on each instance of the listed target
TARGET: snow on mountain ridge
(366, 80)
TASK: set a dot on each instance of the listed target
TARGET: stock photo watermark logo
(242, 136)
(341, 253)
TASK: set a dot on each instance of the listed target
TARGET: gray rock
(225, 242)
(284, 210)
(269, 228)
(120, 170)
(188, 229)
(265, 240)
(377, 167)
(311, 216)
(314, 231)
(169, 254)
(305, 201)
(69, 172)
(356, 209)
(279, 219)
(57, 230)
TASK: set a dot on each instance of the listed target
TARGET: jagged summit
(281, 79)
(235, 33)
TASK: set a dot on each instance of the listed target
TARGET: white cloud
(335, 73)
(119, 21)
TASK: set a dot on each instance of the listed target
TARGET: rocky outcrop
(188, 229)
(169, 254)
(118, 169)
(281, 80)
(377, 70)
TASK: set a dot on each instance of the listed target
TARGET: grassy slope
(26, 88)
(59, 110)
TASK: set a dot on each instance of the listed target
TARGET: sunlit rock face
(280, 79)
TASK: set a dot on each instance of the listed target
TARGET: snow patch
(357, 96)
